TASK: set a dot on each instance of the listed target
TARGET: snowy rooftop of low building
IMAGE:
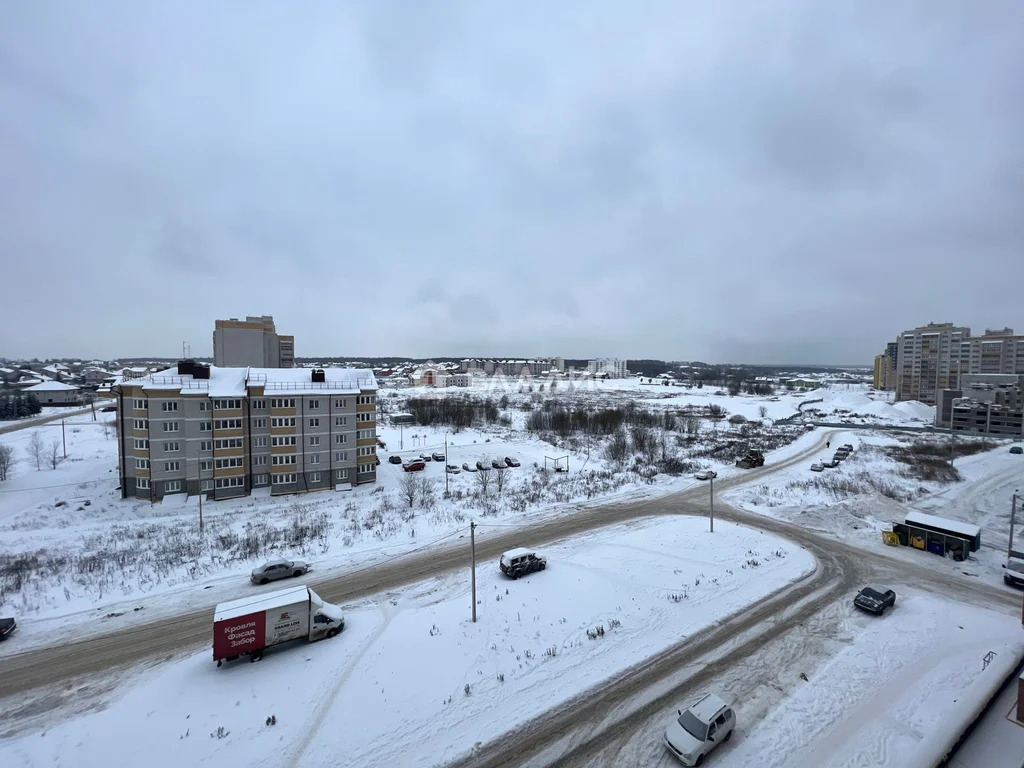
(956, 526)
(50, 386)
(234, 382)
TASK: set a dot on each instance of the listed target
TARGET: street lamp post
(712, 505)
(446, 464)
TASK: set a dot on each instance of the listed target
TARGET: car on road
(7, 626)
(499, 464)
(706, 474)
(414, 465)
(699, 729)
(817, 467)
(108, 409)
(482, 467)
(451, 469)
(437, 456)
(466, 467)
(875, 599)
(395, 459)
(278, 569)
(518, 562)
(1017, 449)
(509, 461)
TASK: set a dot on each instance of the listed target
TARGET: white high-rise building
(613, 367)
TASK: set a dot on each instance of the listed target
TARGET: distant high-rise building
(251, 342)
(612, 367)
(885, 367)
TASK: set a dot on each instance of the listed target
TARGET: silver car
(278, 569)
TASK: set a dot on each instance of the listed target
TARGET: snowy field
(412, 681)
(898, 693)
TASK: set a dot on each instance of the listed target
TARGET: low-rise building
(55, 393)
(224, 431)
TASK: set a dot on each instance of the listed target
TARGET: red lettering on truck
(243, 634)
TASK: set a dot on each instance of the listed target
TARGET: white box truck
(248, 626)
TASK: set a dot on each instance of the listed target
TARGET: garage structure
(938, 535)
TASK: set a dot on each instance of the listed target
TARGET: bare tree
(499, 477)
(35, 449)
(428, 499)
(6, 461)
(109, 428)
(483, 479)
(408, 487)
(763, 410)
(54, 453)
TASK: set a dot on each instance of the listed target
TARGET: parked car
(451, 469)
(438, 456)
(108, 409)
(499, 464)
(875, 599)
(1016, 449)
(817, 466)
(509, 461)
(519, 562)
(830, 464)
(482, 467)
(395, 459)
(7, 626)
(706, 474)
(425, 457)
(840, 457)
(414, 465)
(699, 729)
(467, 468)
(846, 447)
(278, 569)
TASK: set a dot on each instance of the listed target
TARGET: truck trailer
(248, 626)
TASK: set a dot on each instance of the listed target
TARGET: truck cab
(1014, 575)
(327, 620)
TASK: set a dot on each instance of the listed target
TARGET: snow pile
(860, 405)
(413, 681)
(915, 409)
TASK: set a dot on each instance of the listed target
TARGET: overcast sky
(740, 181)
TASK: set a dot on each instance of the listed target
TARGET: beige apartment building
(251, 342)
(222, 431)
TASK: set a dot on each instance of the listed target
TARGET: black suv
(519, 562)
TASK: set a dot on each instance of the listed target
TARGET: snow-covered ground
(900, 692)
(412, 681)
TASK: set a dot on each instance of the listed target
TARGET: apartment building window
(314, 440)
(366, 417)
(259, 405)
(283, 421)
(283, 460)
(342, 403)
(341, 439)
(341, 456)
(259, 442)
(172, 466)
(142, 423)
(141, 444)
(206, 445)
(364, 434)
(314, 422)
(283, 479)
(260, 479)
(142, 483)
(259, 423)
(139, 405)
(227, 404)
(204, 405)
(280, 440)
(313, 458)
(341, 474)
(170, 426)
(206, 485)
(314, 405)
(169, 406)
(341, 421)
(282, 402)
(229, 463)
(205, 426)
(366, 399)
(259, 461)
(314, 477)
(366, 450)
(365, 469)
(172, 447)
(230, 482)
(229, 442)
(206, 465)
(142, 463)
(229, 423)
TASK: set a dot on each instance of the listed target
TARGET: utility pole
(472, 545)
(64, 438)
(1013, 520)
(446, 494)
(401, 438)
(200, 506)
(712, 505)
